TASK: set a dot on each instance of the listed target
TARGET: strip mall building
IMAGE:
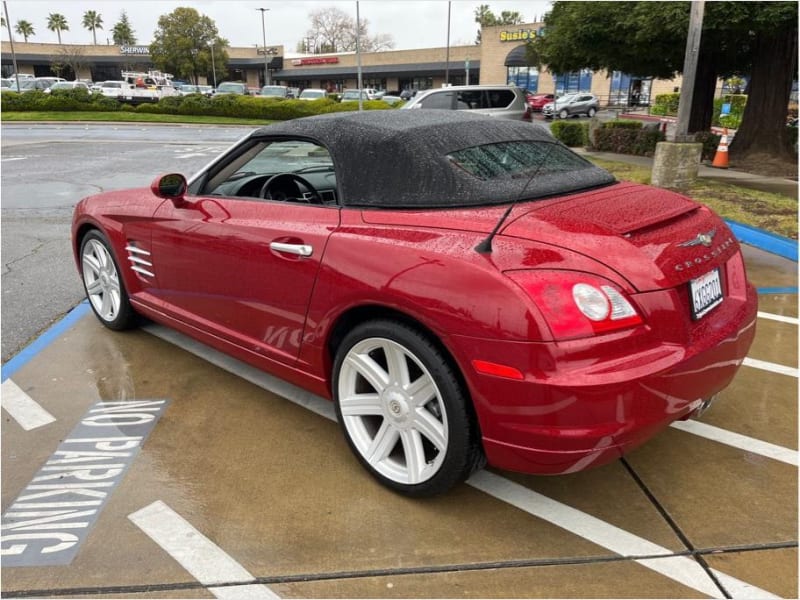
(500, 58)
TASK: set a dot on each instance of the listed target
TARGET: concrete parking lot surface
(215, 480)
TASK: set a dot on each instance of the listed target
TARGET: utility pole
(213, 65)
(447, 55)
(264, 37)
(676, 162)
(358, 57)
(689, 69)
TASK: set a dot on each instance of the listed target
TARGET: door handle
(298, 249)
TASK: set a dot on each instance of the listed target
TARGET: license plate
(705, 293)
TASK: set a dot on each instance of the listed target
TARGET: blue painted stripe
(777, 290)
(776, 244)
(44, 340)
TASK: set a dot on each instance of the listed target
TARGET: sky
(412, 23)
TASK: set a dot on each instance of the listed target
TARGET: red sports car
(464, 289)
(537, 101)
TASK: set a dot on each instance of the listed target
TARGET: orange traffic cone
(721, 157)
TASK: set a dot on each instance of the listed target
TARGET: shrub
(622, 124)
(710, 143)
(570, 133)
(666, 104)
(626, 140)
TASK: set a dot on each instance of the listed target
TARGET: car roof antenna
(485, 247)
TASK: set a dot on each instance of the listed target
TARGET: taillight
(576, 304)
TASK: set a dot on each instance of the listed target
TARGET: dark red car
(464, 289)
(537, 101)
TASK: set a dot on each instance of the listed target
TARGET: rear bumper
(576, 410)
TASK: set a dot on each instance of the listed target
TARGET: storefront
(502, 57)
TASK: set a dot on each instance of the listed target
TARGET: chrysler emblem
(704, 239)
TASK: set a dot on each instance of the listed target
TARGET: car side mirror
(171, 187)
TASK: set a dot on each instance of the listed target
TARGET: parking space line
(24, 409)
(203, 559)
(780, 318)
(771, 367)
(682, 569)
(504, 490)
(737, 440)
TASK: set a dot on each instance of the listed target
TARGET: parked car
(463, 288)
(537, 101)
(312, 94)
(67, 85)
(275, 91)
(232, 87)
(572, 105)
(505, 102)
(187, 89)
(352, 95)
(392, 100)
(29, 84)
(121, 90)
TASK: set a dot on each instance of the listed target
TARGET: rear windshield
(514, 159)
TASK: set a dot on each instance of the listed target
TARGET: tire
(563, 114)
(592, 112)
(403, 410)
(104, 287)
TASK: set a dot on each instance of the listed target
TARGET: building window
(574, 82)
(523, 77)
(374, 82)
(416, 83)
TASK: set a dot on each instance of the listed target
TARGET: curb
(764, 240)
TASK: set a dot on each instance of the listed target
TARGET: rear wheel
(403, 410)
(104, 287)
(592, 112)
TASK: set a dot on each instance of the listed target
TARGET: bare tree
(68, 57)
(333, 30)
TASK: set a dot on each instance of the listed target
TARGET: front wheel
(403, 410)
(592, 112)
(104, 287)
(563, 114)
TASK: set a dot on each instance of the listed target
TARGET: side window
(470, 100)
(442, 100)
(297, 164)
(500, 98)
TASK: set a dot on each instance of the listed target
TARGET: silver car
(502, 101)
(571, 105)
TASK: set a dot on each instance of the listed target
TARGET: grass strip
(128, 117)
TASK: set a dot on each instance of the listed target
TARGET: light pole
(213, 66)
(264, 35)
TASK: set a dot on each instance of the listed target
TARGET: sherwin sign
(52, 516)
(521, 35)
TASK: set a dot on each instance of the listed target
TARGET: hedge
(225, 105)
(570, 133)
(627, 137)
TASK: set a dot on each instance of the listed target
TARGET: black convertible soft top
(399, 158)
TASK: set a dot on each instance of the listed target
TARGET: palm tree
(92, 21)
(25, 29)
(57, 23)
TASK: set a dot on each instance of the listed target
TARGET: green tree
(24, 28)
(486, 18)
(58, 23)
(649, 39)
(182, 44)
(92, 21)
(122, 33)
